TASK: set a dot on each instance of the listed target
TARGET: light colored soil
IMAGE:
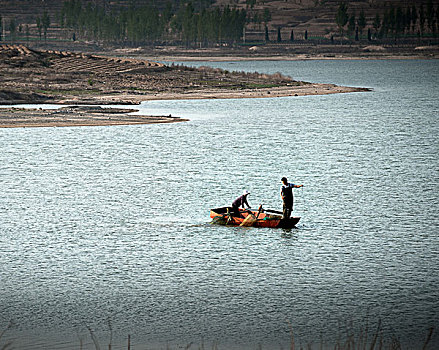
(30, 76)
(62, 77)
(76, 116)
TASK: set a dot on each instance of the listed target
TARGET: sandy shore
(72, 78)
(305, 90)
(300, 57)
(131, 99)
(76, 116)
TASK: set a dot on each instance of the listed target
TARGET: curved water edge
(111, 223)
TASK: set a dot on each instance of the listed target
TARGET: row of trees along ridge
(204, 24)
(151, 24)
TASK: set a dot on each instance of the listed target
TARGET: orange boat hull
(263, 219)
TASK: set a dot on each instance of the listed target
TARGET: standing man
(240, 201)
(286, 192)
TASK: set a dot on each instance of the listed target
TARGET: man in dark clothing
(240, 202)
(286, 192)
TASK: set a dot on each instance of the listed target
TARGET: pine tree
(39, 26)
(12, 29)
(361, 22)
(351, 24)
(437, 18)
(384, 25)
(377, 23)
(408, 19)
(342, 17)
(414, 18)
(27, 32)
(430, 15)
(148, 23)
(188, 28)
(279, 37)
(45, 22)
(399, 27)
(266, 16)
(292, 35)
(392, 20)
(421, 19)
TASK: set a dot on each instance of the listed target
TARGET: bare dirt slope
(30, 76)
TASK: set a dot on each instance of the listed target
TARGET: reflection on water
(111, 224)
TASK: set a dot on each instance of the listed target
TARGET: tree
(437, 18)
(12, 29)
(39, 26)
(421, 19)
(292, 35)
(351, 24)
(361, 22)
(369, 34)
(306, 34)
(342, 17)
(267, 38)
(250, 3)
(391, 20)
(356, 34)
(27, 32)
(45, 22)
(430, 16)
(399, 27)
(408, 18)
(266, 16)
(279, 37)
(377, 23)
(414, 18)
(258, 20)
(188, 27)
(147, 23)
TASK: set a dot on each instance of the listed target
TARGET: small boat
(251, 217)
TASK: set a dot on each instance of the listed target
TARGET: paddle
(259, 211)
(273, 211)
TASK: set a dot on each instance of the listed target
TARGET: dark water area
(108, 227)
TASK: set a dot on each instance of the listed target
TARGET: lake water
(108, 228)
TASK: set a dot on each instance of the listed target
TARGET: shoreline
(14, 117)
(94, 115)
(304, 57)
(295, 91)
(71, 78)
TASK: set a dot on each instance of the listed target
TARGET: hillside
(314, 20)
(318, 18)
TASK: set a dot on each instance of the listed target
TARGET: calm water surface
(108, 227)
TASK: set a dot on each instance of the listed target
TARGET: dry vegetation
(59, 76)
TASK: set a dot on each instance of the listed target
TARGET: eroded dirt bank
(30, 76)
